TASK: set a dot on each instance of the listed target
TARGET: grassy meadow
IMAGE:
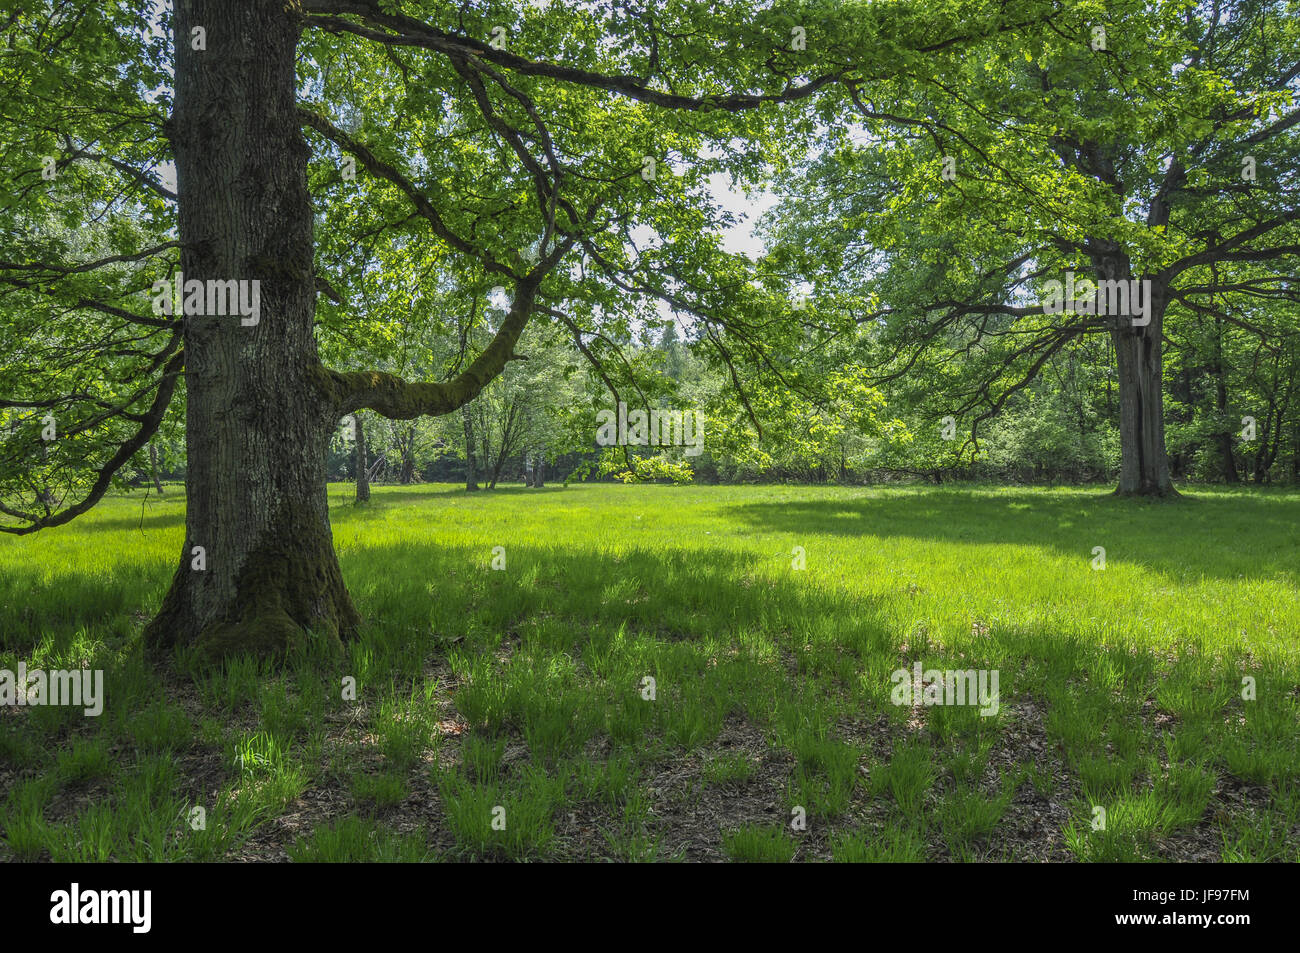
(507, 713)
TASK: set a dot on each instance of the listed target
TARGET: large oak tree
(530, 146)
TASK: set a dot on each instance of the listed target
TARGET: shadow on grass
(396, 494)
(1217, 535)
(150, 516)
(425, 587)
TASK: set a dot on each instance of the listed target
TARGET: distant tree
(1155, 143)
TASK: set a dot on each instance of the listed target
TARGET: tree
(471, 468)
(1149, 144)
(153, 467)
(526, 143)
(362, 463)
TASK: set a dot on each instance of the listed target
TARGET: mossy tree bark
(258, 571)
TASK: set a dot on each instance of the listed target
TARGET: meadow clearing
(505, 713)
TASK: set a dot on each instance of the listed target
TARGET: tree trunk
(1230, 474)
(1144, 463)
(471, 478)
(1221, 405)
(1295, 453)
(498, 464)
(363, 473)
(258, 571)
(407, 475)
(153, 467)
(1271, 440)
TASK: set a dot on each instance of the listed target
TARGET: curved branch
(149, 425)
(399, 399)
(408, 31)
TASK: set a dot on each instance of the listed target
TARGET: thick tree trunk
(363, 474)
(1144, 462)
(258, 570)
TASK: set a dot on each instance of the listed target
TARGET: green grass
(504, 714)
(356, 840)
(759, 845)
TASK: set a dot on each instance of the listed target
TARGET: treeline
(1231, 403)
